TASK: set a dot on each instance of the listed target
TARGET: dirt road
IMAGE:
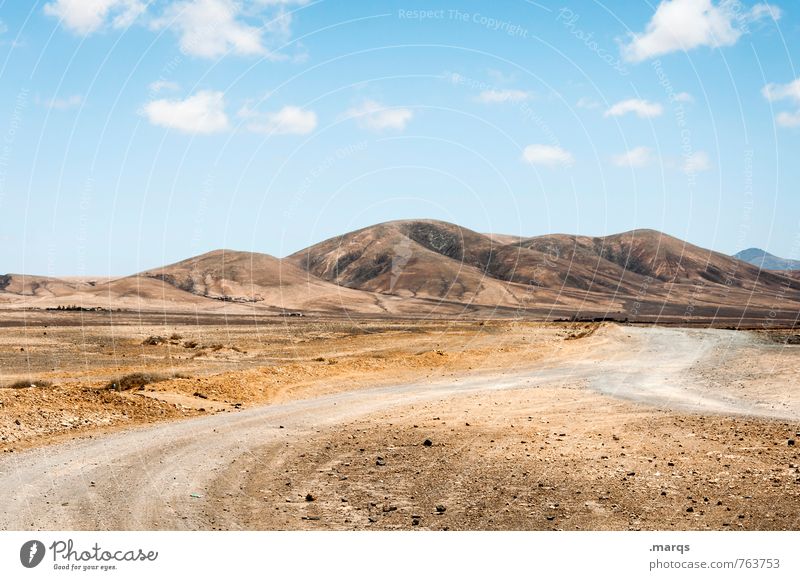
(195, 474)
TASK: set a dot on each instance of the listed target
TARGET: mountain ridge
(766, 261)
(430, 267)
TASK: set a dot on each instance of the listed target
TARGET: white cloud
(63, 103)
(777, 92)
(790, 91)
(203, 112)
(641, 107)
(696, 162)
(377, 117)
(289, 120)
(162, 85)
(3, 27)
(587, 103)
(636, 157)
(785, 119)
(87, 16)
(211, 28)
(492, 96)
(549, 155)
(765, 10)
(682, 25)
(683, 98)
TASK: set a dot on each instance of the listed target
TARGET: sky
(137, 133)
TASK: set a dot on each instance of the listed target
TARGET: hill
(766, 261)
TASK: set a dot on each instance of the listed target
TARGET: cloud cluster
(205, 28)
(791, 92)
(377, 117)
(202, 113)
(636, 157)
(87, 16)
(289, 120)
(682, 25)
(547, 155)
(211, 28)
(640, 107)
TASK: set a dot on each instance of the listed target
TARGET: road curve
(156, 477)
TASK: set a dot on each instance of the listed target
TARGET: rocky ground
(544, 459)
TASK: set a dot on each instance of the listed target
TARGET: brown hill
(641, 270)
(424, 258)
(265, 281)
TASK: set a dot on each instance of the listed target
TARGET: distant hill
(766, 261)
(422, 268)
(445, 261)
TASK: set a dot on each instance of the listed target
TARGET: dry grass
(140, 380)
(27, 384)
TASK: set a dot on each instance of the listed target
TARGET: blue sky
(136, 133)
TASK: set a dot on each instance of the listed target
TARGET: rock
(310, 518)
(790, 442)
(689, 509)
(16, 422)
(427, 443)
(200, 395)
(389, 508)
(310, 497)
(440, 509)
(380, 462)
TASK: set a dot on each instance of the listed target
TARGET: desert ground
(137, 421)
